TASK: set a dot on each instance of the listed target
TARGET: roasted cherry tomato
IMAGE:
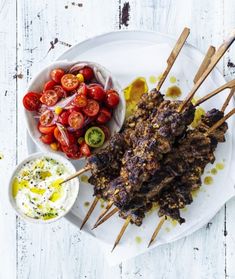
(72, 151)
(104, 116)
(87, 73)
(69, 82)
(46, 129)
(47, 139)
(85, 150)
(80, 101)
(49, 85)
(46, 118)
(106, 131)
(79, 133)
(76, 120)
(56, 75)
(96, 92)
(61, 93)
(92, 108)
(112, 98)
(49, 98)
(63, 118)
(31, 101)
(94, 137)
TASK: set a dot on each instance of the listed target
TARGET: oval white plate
(130, 54)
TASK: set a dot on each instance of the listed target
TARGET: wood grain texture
(34, 33)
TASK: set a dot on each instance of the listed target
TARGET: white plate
(130, 54)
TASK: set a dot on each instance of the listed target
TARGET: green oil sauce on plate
(173, 92)
(173, 79)
(138, 239)
(86, 204)
(208, 180)
(152, 79)
(197, 117)
(133, 93)
(219, 166)
(84, 178)
(214, 171)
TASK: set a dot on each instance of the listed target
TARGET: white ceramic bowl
(43, 76)
(74, 184)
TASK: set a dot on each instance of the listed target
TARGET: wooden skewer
(215, 59)
(76, 174)
(155, 233)
(228, 100)
(106, 217)
(92, 207)
(214, 127)
(205, 63)
(174, 54)
(109, 205)
(229, 84)
(121, 232)
(220, 122)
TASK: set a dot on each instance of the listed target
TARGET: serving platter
(128, 55)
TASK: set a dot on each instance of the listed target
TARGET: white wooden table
(33, 33)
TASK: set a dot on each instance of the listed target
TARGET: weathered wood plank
(8, 105)
(46, 29)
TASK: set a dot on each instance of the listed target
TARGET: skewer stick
(220, 122)
(205, 63)
(174, 54)
(215, 59)
(109, 205)
(92, 207)
(121, 232)
(155, 233)
(76, 174)
(228, 100)
(106, 217)
(229, 84)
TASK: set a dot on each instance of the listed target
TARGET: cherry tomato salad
(73, 110)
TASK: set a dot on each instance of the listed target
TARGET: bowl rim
(31, 157)
(66, 63)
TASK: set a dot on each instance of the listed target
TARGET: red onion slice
(62, 130)
(76, 68)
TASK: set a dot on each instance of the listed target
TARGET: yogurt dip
(37, 191)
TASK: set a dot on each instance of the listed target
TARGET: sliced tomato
(31, 101)
(49, 85)
(46, 118)
(92, 108)
(72, 151)
(104, 116)
(76, 120)
(112, 98)
(83, 89)
(96, 92)
(49, 98)
(60, 138)
(106, 131)
(46, 129)
(56, 75)
(80, 101)
(69, 82)
(79, 133)
(63, 118)
(85, 150)
(47, 139)
(61, 93)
